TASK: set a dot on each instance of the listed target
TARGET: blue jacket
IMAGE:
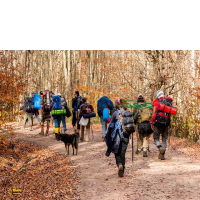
(113, 137)
(104, 102)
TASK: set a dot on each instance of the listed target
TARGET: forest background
(95, 73)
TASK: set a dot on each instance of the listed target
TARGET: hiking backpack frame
(46, 96)
(163, 118)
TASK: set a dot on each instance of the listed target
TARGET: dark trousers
(63, 119)
(120, 156)
(163, 131)
(75, 119)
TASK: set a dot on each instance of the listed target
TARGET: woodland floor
(175, 178)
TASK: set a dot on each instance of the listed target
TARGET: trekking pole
(169, 142)
(132, 153)
(92, 132)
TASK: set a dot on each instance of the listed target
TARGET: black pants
(75, 119)
(163, 131)
(120, 156)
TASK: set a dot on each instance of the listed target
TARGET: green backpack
(145, 115)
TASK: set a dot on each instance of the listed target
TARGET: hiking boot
(145, 154)
(138, 151)
(41, 133)
(161, 153)
(123, 169)
(57, 137)
(163, 156)
(120, 171)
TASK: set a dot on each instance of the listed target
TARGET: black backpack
(163, 118)
(127, 122)
(79, 101)
(144, 128)
(29, 105)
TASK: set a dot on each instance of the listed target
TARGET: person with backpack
(35, 112)
(76, 103)
(28, 108)
(68, 113)
(46, 112)
(56, 111)
(117, 138)
(160, 122)
(85, 108)
(104, 102)
(142, 116)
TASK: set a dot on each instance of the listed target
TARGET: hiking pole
(132, 153)
(92, 133)
(169, 142)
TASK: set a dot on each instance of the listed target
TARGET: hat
(159, 94)
(140, 96)
(58, 94)
(117, 101)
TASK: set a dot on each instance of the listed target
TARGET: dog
(69, 139)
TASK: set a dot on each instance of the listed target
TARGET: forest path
(175, 178)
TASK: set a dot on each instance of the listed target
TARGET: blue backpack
(37, 101)
(57, 103)
(105, 114)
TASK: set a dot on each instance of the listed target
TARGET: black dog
(69, 139)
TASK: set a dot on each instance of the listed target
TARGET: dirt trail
(175, 178)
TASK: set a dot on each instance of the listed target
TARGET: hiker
(160, 122)
(142, 116)
(85, 108)
(57, 116)
(117, 137)
(28, 107)
(76, 103)
(104, 102)
(35, 112)
(64, 107)
(46, 112)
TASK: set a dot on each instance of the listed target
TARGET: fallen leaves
(39, 173)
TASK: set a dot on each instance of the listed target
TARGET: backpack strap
(120, 118)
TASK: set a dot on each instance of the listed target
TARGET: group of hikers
(144, 120)
(55, 106)
(47, 106)
(117, 121)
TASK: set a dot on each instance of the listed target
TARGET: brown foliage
(39, 173)
(11, 87)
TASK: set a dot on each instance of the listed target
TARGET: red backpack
(162, 117)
